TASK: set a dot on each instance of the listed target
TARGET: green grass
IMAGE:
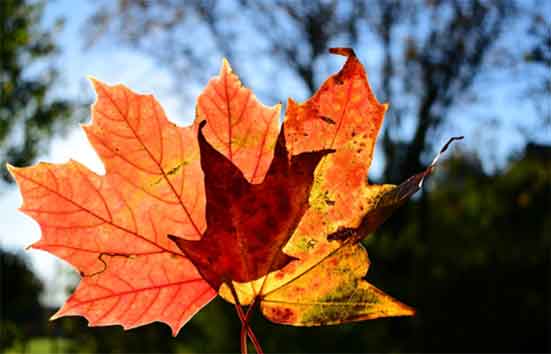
(42, 345)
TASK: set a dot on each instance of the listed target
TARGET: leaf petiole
(245, 328)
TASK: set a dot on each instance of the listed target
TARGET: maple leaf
(326, 284)
(114, 228)
(111, 228)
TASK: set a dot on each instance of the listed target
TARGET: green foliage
(213, 330)
(477, 267)
(28, 115)
(478, 263)
(41, 345)
(21, 307)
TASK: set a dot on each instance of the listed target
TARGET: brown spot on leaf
(327, 120)
(174, 169)
(283, 315)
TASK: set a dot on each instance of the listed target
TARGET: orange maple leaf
(114, 228)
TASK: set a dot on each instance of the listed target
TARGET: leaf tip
(291, 105)
(347, 52)
(15, 171)
(277, 109)
(175, 331)
(402, 309)
(226, 67)
(55, 316)
(94, 81)
(444, 148)
(182, 243)
(86, 127)
(11, 169)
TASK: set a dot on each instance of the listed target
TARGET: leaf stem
(245, 328)
(243, 333)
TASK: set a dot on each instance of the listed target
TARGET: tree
(471, 247)
(430, 54)
(21, 309)
(477, 275)
(29, 116)
(539, 55)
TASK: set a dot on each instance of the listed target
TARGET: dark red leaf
(248, 224)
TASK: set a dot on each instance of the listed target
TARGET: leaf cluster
(231, 204)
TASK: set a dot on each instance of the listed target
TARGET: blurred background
(471, 252)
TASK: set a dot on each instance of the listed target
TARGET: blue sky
(113, 63)
(105, 62)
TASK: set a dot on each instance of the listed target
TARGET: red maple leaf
(248, 224)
